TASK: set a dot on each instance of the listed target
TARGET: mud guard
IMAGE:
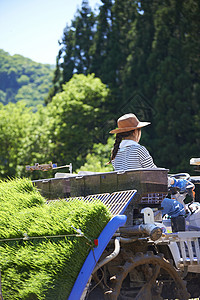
(94, 256)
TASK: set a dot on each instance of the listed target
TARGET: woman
(128, 154)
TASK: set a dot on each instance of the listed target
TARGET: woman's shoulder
(139, 147)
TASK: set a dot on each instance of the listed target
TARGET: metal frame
(116, 202)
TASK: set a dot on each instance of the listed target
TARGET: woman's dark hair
(118, 139)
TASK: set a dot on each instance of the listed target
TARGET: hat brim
(125, 129)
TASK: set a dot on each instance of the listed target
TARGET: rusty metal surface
(151, 185)
(148, 273)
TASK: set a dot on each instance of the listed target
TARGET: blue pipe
(94, 256)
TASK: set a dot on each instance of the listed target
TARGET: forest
(130, 56)
(23, 79)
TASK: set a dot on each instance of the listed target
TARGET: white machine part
(184, 246)
(193, 217)
(195, 161)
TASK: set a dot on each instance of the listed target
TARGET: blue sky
(32, 28)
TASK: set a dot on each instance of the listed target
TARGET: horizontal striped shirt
(132, 155)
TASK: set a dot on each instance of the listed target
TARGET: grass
(43, 268)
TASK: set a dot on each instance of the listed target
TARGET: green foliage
(43, 268)
(2, 97)
(23, 79)
(78, 114)
(175, 103)
(147, 53)
(145, 57)
(13, 122)
(99, 156)
(73, 120)
(78, 40)
(24, 138)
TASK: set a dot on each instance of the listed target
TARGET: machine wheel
(147, 277)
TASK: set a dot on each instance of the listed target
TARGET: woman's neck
(130, 138)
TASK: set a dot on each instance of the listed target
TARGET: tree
(98, 157)
(99, 48)
(74, 55)
(56, 81)
(147, 53)
(175, 104)
(25, 139)
(23, 79)
(14, 122)
(119, 16)
(78, 115)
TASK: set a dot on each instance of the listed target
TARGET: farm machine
(139, 255)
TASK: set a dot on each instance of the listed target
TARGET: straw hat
(128, 122)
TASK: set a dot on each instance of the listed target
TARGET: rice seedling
(40, 252)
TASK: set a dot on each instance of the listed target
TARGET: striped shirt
(132, 155)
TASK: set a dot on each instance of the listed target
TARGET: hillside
(23, 79)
